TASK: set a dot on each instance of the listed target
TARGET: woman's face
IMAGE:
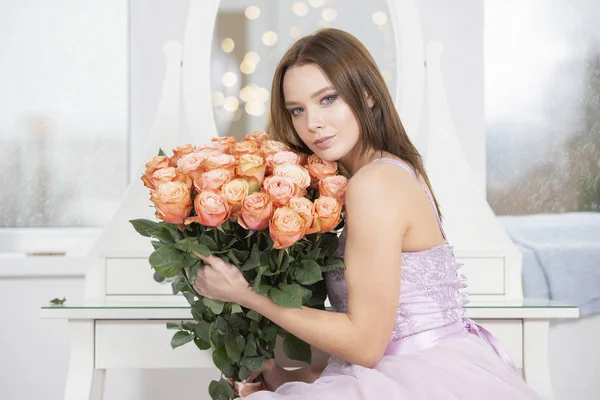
(321, 118)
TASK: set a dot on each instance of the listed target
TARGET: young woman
(399, 330)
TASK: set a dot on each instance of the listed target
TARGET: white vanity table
(133, 335)
(122, 322)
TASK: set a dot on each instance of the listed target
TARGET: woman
(399, 330)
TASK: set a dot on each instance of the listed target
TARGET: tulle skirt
(462, 366)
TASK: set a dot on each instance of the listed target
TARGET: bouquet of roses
(272, 212)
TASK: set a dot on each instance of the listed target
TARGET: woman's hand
(273, 375)
(220, 280)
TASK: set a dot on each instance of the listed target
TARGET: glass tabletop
(158, 304)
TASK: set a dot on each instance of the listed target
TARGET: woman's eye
(296, 111)
(328, 99)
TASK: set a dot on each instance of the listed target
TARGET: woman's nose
(315, 121)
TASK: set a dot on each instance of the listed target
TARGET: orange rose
(222, 143)
(252, 165)
(327, 211)
(235, 191)
(246, 147)
(319, 169)
(210, 150)
(281, 189)
(282, 157)
(299, 174)
(213, 179)
(286, 227)
(257, 135)
(270, 147)
(170, 174)
(306, 209)
(225, 161)
(191, 164)
(334, 186)
(173, 202)
(256, 211)
(211, 209)
(303, 158)
(181, 151)
(158, 162)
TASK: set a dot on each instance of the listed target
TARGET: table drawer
(133, 276)
(484, 275)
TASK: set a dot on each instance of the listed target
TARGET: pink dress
(435, 353)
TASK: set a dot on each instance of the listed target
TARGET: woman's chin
(330, 154)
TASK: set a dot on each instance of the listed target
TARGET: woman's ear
(370, 99)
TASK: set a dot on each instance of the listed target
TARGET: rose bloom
(225, 161)
(282, 157)
(319, 169)
(286, 227)
(181, 151)
(213, 179)
(256, 211)
(252, 165)
(173, 202)
(306, 209)
(270, 147)
(328, 212)
(281, 189)
(170, 174)
(334, 186)
(191, 164)
(222, 143)
(246, 147)
(257, 135)
(235, 191)
(299, 174)
(211, 209)
(158, 162)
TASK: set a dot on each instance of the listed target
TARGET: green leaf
(254, 363)
(216, 306)
(157, 244)
(253, 315)
(58, 302)
(253, 261)
(161, 152)
(183, 244)
(238, 323)
(203, 331)
(296, 349)
(222, 325)
(270, 332)
(234, 345)
(264, 289)
(244, 372)
(221, 389)
(198, 310)
(178, 283)
(198, 248)
(220, 358)
(145, 227)
(209, 242)
(181, 338)
(201, 344)
(285, 295)
(193, 273)
(313, 254)
(174, 325)
(258, 278)
(306, 294)
(250, 349)
(173, 231)
(236, 309)
(165, 257)
(190, 297)
(329, 243)
(308, 273)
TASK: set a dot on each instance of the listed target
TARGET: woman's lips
(324, 142)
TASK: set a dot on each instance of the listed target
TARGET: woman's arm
(376, 227)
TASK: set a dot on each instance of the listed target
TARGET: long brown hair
(351, 70)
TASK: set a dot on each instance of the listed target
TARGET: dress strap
(410, 170)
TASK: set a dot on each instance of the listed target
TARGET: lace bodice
(430, 291)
